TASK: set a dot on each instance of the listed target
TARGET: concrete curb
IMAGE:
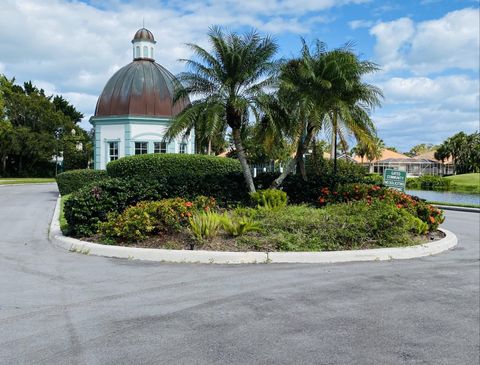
(223, 257)
(457, 208)
(22, 184)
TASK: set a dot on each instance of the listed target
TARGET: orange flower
(399, 206)
(431, 219)
(188, 204)
(321, 200)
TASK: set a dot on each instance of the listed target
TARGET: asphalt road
(58, 307)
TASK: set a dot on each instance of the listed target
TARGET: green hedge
(91, 204)
(175, 166)
(73, 180)
(428, 182)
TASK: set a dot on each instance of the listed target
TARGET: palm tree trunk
(247, 174)
(334, 144)
(209, 148)
(297, 160)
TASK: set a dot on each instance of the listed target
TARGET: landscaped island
(201, 202)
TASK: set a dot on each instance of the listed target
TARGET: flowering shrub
(152, 217)
(432, 216)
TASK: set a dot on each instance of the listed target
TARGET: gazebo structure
(136, 107)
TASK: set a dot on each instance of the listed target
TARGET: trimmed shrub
(91, 204)
(152, 217)
(177, 166)
(73, 180)
(429, 182)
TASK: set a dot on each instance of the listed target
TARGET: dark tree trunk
(247, 174)
(334, 144)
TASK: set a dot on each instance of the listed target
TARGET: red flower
(399, 206)
(188, 204)
(321, 200)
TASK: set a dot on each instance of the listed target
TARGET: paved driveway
(58, 307)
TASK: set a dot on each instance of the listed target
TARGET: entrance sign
(395, 179)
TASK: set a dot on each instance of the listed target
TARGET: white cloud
(404, 128)
(360, 23)
(457, 92)
(390, 38)
(430, 46)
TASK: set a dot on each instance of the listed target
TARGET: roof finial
(143, 22)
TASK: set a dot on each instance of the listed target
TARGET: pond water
(446, 196)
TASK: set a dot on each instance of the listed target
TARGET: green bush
(363, 192)
(151, 217)
(73, 180)
(373, 178)
(429, 182)
(91, 204)
(270, 198)
(354, 225)
(177, 166)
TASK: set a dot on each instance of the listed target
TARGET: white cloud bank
(451, 42)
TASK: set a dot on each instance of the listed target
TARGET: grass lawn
(455, 204)
(63, 221)
(25, 180)
(467, 183)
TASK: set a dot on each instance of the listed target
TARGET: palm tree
(206, 120)
(361, 150)
(326, 90)
(349, 100)
(227, 82)
(375, 149)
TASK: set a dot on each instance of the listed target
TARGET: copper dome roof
(141, 88)
(143, 34)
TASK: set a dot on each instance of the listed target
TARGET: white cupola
(143, 45)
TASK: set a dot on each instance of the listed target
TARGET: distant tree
(463, 149)
(33, 128)
(420, 148)
(67, 109)
(391, 148)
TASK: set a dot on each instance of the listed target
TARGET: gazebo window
(145, 51)
(141, 148)
(137, 52)
(160, 147)
(112, 151)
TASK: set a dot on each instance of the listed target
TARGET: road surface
(58, 307)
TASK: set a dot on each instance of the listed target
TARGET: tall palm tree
(349, 100)
(228, 81)
(326, 89)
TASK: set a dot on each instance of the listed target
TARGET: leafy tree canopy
(34, 128)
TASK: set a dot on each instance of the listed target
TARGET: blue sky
(428, 49)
